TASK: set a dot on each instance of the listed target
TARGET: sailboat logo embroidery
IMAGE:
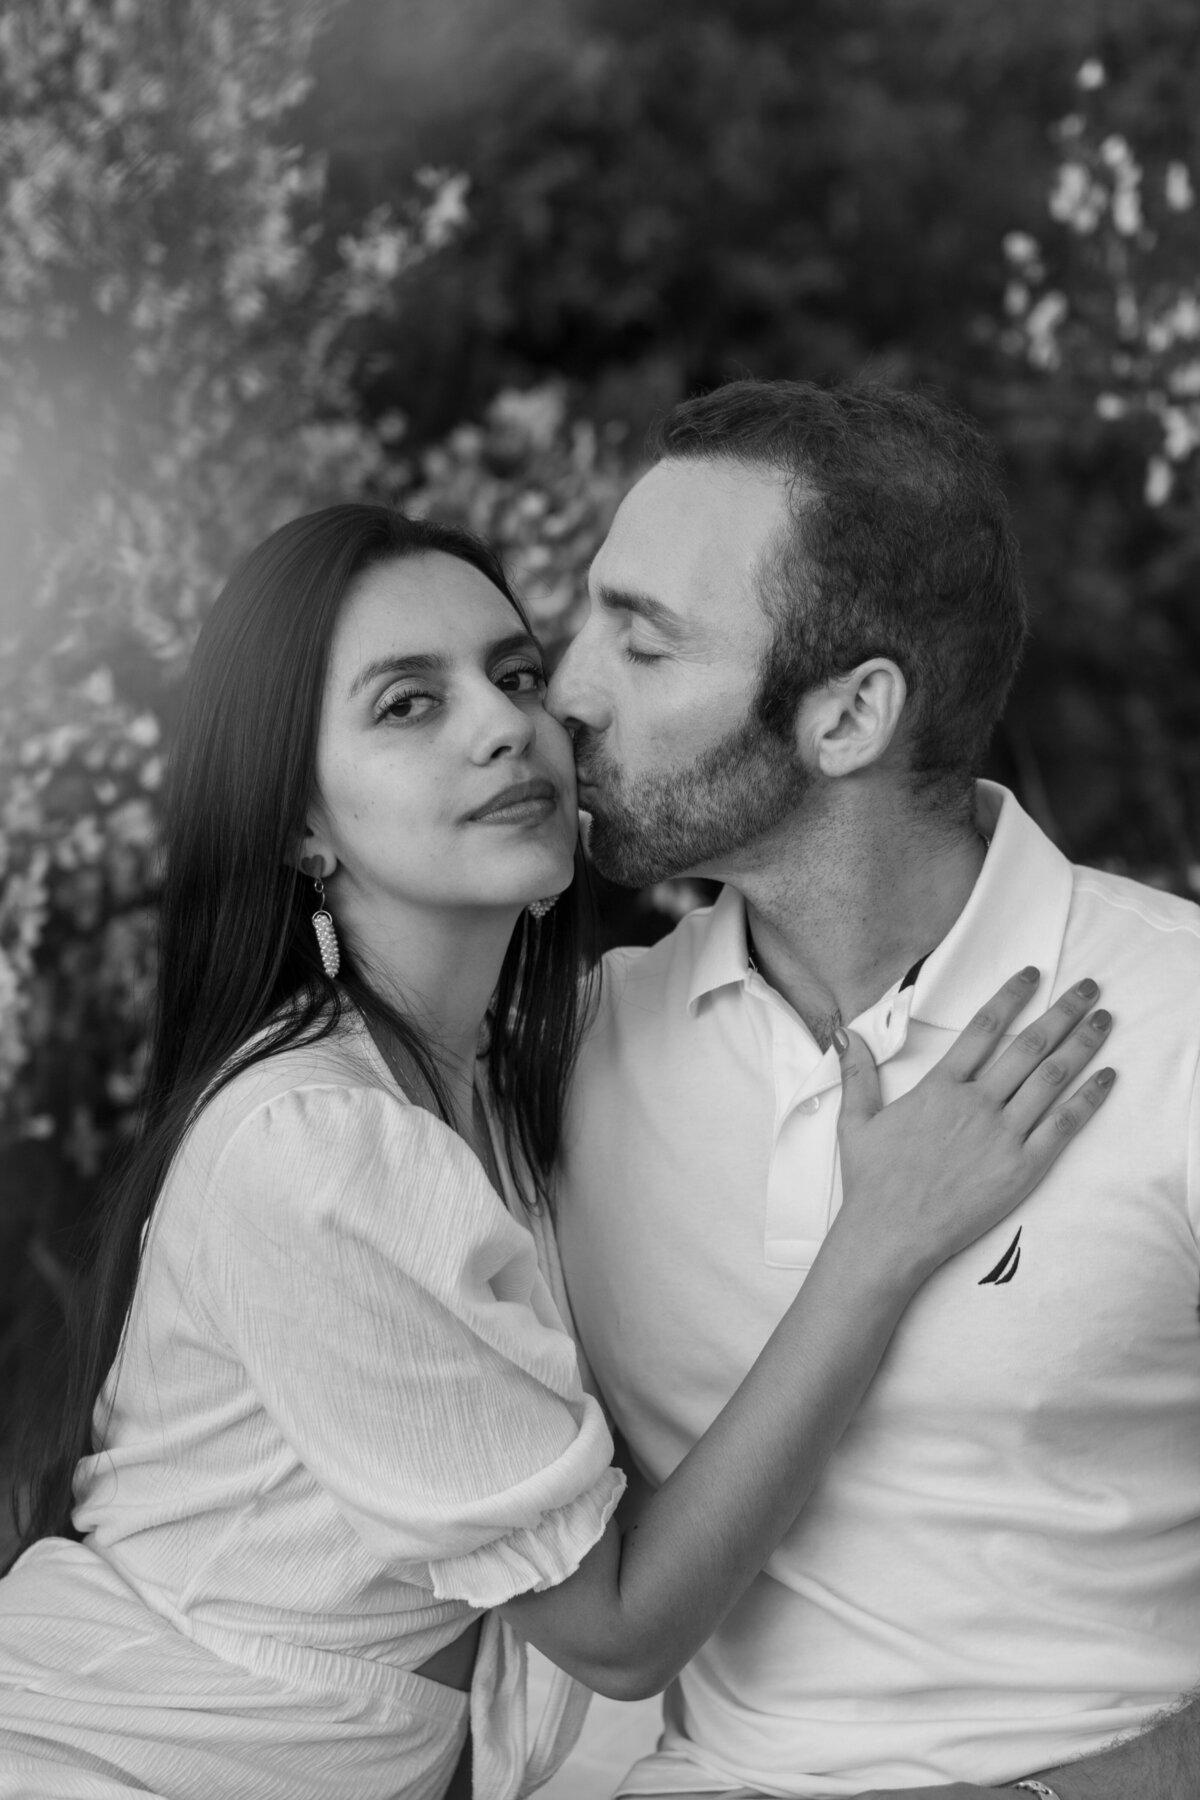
(1006, 1268)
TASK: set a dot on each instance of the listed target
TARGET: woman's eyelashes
(523, 678)
(640, 656)
(409, 704)
(405, 704)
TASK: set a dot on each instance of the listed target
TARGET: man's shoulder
(1148, 919)
(632, 971)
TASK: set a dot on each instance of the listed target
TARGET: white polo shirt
(1000, 1568)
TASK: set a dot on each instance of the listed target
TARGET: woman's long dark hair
(238, 957)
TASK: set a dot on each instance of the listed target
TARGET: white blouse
(347, 1416)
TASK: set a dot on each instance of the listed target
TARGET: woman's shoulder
(321, 1129)
(338, 1072)
(326, 1110)
(314, 1151)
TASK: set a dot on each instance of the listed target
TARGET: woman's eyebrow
(427, 662)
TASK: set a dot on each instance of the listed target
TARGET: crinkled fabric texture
(347, 1417)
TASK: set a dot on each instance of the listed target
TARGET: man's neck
(851, 904)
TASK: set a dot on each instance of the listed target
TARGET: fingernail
(841, 1042)
(1106, 1077)
(1102, 1020)
(1030, 974)
(1087, 988)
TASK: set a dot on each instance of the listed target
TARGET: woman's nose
(508, 729)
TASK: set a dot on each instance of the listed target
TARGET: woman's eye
(407, 703)
(526, 678)
(640, 656)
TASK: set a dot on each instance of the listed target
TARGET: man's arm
(1163, 1761)
(1160, 1763)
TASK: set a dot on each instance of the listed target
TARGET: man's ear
(850, 722)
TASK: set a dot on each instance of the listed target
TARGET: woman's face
(442, 782)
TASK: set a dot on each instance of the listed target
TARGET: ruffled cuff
(533, 1557)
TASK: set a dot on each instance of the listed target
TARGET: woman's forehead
(432, 602)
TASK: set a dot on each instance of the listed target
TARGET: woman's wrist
(883, 1258)
(879, 1269)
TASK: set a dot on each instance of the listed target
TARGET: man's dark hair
(900, 545)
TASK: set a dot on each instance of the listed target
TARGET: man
(803, 627)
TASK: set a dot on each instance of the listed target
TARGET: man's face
(660, 684)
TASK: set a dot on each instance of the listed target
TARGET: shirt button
(812, 1104)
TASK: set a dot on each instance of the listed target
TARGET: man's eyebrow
(645, 606)
(426, 662)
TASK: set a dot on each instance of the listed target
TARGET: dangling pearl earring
(537, 909)
(327, 944)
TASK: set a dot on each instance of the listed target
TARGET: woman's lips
(516, 812)
(518, 803)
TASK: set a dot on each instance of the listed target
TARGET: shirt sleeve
(393, 1320)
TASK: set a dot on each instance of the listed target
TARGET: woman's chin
(516, 899)
(546, 879)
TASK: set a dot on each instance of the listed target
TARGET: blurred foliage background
(258, 255)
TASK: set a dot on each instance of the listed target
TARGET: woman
(324, 1414)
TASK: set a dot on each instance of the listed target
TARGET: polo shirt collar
(723, 955)
(1016, 915)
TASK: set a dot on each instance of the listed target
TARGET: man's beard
(679, 820)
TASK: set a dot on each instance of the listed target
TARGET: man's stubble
(682, 820)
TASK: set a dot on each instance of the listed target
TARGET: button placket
(804, 1187)
(801, 1174)
(801, 1184)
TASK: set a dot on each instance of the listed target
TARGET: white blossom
(13, 1049)
(1127, 211)
(144, 730)
(1181, 433)
(1042, 328)
(1016, 299)
(1184, 381)
(1020, 247)
(1160, 480)
(1076, 200)
(1179, 192)
(446, 211)
(1124, 312)
(1128, 312)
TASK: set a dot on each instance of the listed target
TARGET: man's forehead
(689, 529)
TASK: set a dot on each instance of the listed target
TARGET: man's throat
(823, 1026)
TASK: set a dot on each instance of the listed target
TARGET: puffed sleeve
(392, 1318)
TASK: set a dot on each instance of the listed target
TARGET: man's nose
(574, 696)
